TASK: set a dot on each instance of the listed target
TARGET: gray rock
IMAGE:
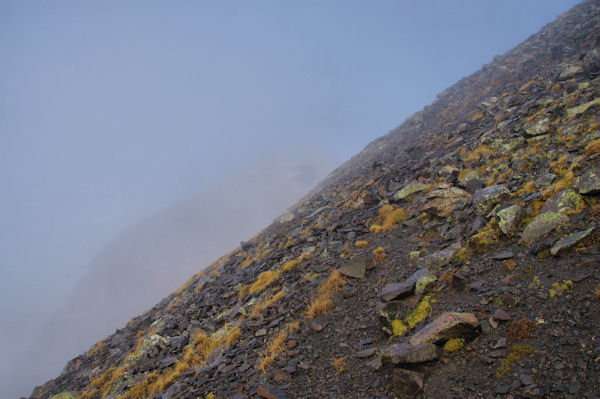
(541, 127)
(570, 241)
(444, 199)
(411, 188)
(439, 258)
(565, 200)
(485, 199)
(422, 280)
(543, 224)
(446, 326)
(397, 291)
(509, 219)
(356, 266)
(408, 354)
(589, 182)
(407, 382)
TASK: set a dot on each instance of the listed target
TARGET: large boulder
(446, 326)
(444, 199)
(589, 182)
(566, 200)
(485, 199)
(411, 188)
(509, 219)
(541, 225)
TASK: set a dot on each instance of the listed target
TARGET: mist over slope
(155, 256)
(465, 239)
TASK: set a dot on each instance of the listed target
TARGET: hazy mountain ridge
(489, 194)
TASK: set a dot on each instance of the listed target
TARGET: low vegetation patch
(515, 354)
(323, 303)
(276, 346)
(387, 218)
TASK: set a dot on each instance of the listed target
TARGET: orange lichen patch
(266, 302)
(380, 256)
(388, 218)
(276, 346)
(362, 244)
(323, 303)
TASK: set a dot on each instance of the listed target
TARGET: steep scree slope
(455, 257)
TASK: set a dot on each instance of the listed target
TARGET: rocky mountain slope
(455, 257)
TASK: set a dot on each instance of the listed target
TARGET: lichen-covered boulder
(509, 219)
(543, 224)
(566, 200)
(410, 189)
(589, 182)
(485, 199)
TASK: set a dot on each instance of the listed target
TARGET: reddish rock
(280, 377)
(270, 392)
(500, 314)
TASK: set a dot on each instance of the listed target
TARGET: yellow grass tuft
(362, 244)
(264, 279)
(323, 304)
(593, 147)
(380, 256)
(263, 304)
(339, 365)
(388, 218)
(478, 153)
(276, 346)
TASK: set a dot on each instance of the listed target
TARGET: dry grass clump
(521, 329)
(323, 304)
(264, 279)
(196, 353)
(276, 346)
(339, 364)
(478, 153)
(362, 244)
(593, 147)
(265, 303)
(380, 256)
(388, 218)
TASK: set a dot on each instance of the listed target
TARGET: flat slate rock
(404, 353)
(486, 198)
(397, 291)
(570, 241)
(543, 224)
(356, 267)
(446, 326)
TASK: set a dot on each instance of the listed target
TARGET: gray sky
(111, 110)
